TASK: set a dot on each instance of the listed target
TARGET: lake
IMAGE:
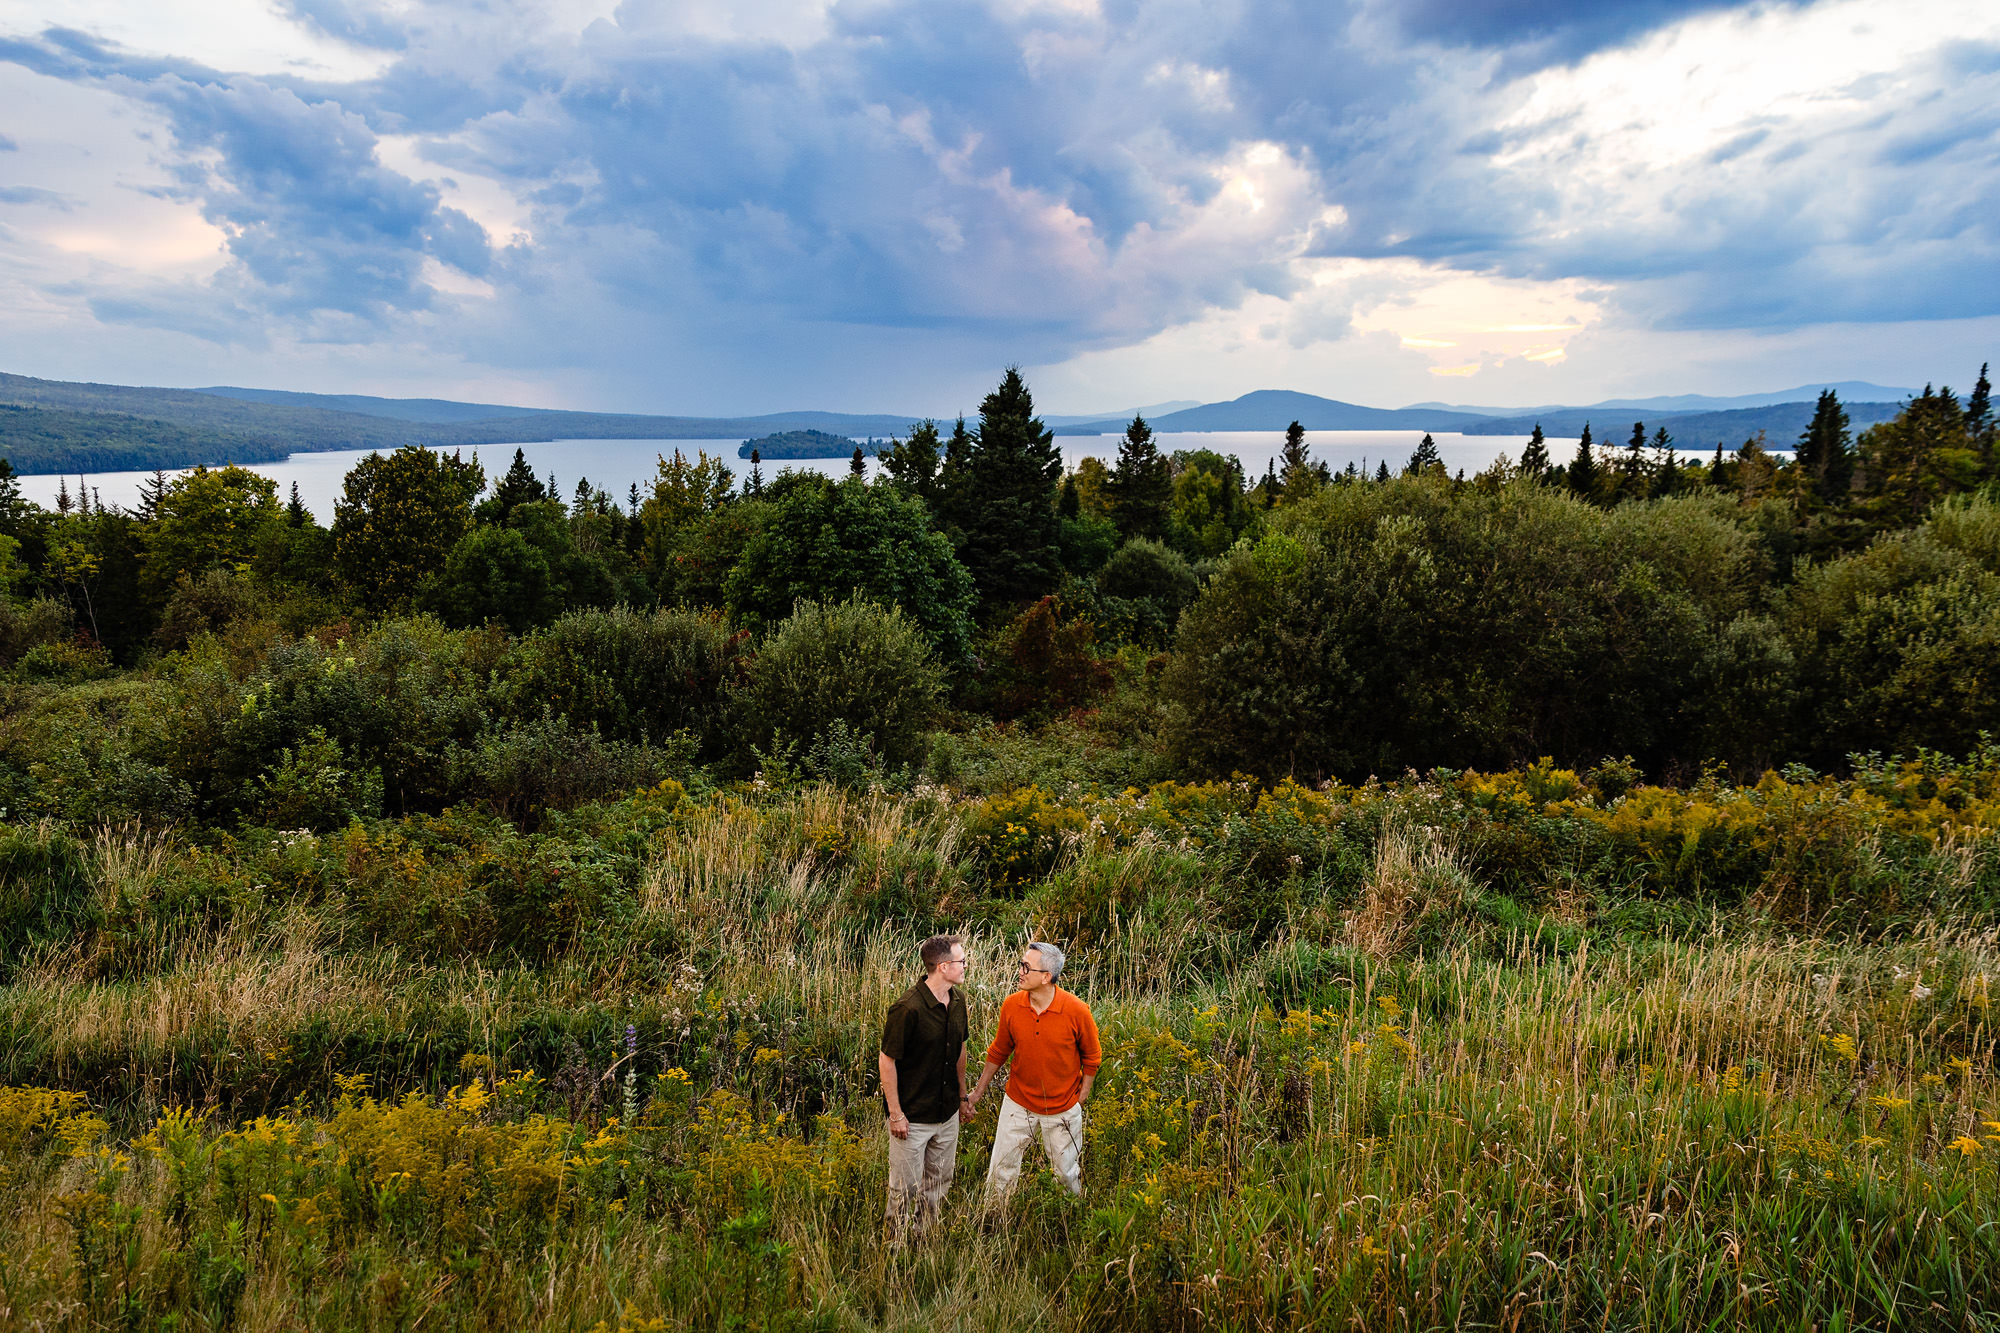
(614, 465)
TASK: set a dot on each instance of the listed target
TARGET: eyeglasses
(1023, 967)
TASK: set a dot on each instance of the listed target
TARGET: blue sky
(685, 206)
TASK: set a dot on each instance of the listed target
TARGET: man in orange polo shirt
(1053, 1041)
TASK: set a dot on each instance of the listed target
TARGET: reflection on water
(616, 465)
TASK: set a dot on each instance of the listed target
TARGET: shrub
(1145, 586)
(822, 540)
(631, 676)
(207, 605)
(25, 625)
(1043, 662)
(549, 764)
(868, 666)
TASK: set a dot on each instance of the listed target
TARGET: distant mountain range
(1780, 416)
(94, 428)
(56, 426)
(1855, 391)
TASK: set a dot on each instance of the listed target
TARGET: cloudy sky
(721, 206)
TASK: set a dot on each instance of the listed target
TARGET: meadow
(1535, 1049)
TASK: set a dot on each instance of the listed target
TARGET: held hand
(899, 1125)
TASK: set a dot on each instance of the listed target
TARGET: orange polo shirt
(1052, 1050)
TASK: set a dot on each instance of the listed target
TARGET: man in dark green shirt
(923, 1083)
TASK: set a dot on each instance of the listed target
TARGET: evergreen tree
(1295, 474)
(150, 492)
(857, 466)
(1535, 458)
(1634, 483)
(295, 510)
(1141, 487)
(1000, 499)
(1382, 471)
(1424, 458)
(1979, 423)
(82, 496)
(1068, 506)
(1666, 466)
(519, 486)
(63, 503)
(755, 485)
(632, 495)
(1583, 468)
(912, 464)
(1924, 453)
(1825, 455)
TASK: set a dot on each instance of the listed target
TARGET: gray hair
(1052, 958)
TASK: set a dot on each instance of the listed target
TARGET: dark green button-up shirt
(924, 1038)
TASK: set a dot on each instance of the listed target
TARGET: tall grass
(1397, 1094)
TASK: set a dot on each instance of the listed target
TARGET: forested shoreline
(1554, 897)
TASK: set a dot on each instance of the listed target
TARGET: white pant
(920, 1170)
(1062, 1140)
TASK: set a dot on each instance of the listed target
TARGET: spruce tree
(1825, 453)
(1001, 502)
(150, 492)
(1382, 471)
(295, 511)
(1141, 487)
(1979, 423)
(518, 487)
(1583, 468)
(1295, 469)
(755, 485)
(1068, 506)
(1633, 481)
(1535, 458)
(857, 466)
(1666, 467)
(1424, 458)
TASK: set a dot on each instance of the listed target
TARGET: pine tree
(1979, 423)
(518, 487)
(150, 491)
(857, 466)
(1296, 473)
(295, 511)
(1068, 505)
(1583, 468)
(755, 486)
(1382, 471)
(63, 503)
(1535, 458)
(999, 496)
(1825, 453)
(1666, 467)
(1141, 487)
(632, 494)
(1424, 458)
(1634, 483)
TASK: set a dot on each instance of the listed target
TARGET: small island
(807, 444)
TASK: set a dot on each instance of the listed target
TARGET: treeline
(215, 653)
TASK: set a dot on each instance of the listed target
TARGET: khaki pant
(1062, 1140)
(920, 1169)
